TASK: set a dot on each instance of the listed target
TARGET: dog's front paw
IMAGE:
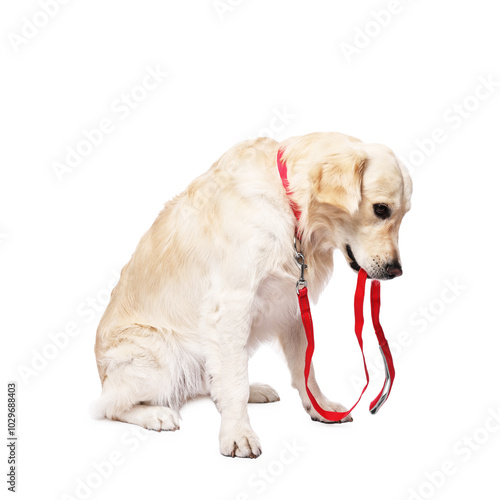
(242, 443)
(328, 406)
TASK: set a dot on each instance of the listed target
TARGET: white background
(230, 72)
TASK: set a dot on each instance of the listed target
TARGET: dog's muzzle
(391, 270)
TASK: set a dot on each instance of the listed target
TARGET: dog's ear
(337, 181)
(408, 183)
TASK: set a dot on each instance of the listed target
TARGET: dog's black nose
(394, 270)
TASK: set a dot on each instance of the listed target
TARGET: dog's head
(367, 191)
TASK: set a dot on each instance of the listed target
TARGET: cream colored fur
(215, 275)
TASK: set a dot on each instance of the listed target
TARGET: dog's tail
(97, 408)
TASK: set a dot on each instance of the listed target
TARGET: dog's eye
(381, 210)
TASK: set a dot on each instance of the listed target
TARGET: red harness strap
(359, 297)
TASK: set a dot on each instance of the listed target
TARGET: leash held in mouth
(359, 296)
(305, 311)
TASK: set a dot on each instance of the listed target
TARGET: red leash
(359, 297)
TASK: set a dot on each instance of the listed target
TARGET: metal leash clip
(387, 386)
(301, 262)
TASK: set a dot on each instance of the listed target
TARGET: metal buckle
(301, 262)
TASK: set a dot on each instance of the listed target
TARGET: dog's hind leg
(156, 418)
(146, 378)
(262, 393)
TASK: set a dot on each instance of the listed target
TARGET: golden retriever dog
(215, 276)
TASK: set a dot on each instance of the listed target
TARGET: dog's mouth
(387, 273)
(354, 264)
